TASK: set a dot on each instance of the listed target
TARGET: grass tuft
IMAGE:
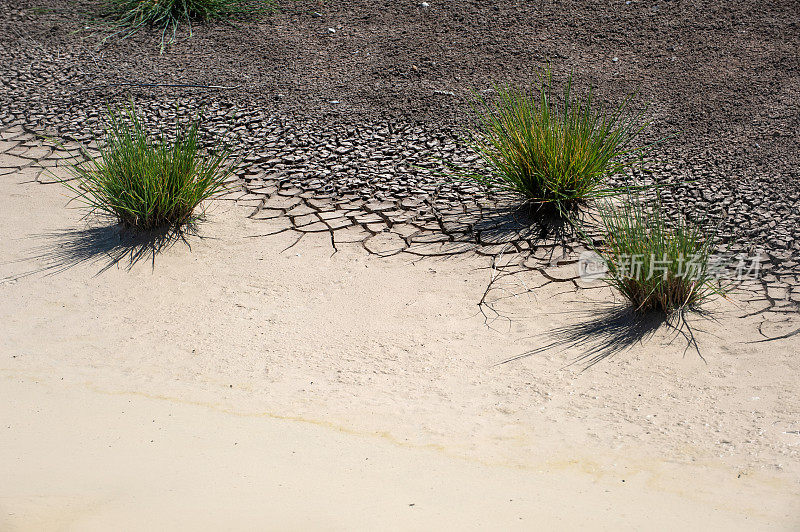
(655, 264)
(553, 153)
(168, 15)
(149, 182)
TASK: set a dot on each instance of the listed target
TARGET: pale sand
(237, 386)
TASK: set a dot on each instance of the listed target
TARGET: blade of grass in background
(167, 15)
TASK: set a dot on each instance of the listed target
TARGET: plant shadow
(109, 245)
(507, 226)
(532, 223)
(612, 330)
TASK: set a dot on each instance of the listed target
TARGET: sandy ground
(231, 384)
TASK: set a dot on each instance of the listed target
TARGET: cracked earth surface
(430, 225)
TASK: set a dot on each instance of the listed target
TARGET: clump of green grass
(150, 182)
(655, 264)
(550, 151)
(167, 15)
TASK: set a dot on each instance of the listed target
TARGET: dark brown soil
(725, 75)
(722, 77)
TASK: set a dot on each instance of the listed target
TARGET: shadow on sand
(108, 245)
(611, 330)
(508, 227)
(525, 222)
